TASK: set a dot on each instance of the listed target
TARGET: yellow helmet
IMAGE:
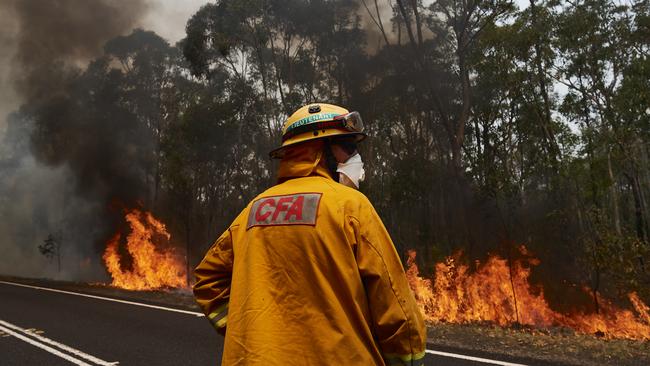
(316, 121)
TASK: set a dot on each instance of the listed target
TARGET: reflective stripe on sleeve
(416, 359)
(219, 317)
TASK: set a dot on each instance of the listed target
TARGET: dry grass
(559, 346)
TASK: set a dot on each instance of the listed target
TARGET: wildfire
(498, 293)
(150, 267)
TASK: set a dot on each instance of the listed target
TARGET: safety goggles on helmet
(351, 122)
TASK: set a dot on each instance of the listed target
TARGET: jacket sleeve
(397, 321)
(213, 276)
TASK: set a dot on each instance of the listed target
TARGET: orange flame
(151, 267)
(498, 293)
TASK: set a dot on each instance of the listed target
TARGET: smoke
(65, 31)
(376, 20)
(8, 31)
(381, 23)
(59, 165)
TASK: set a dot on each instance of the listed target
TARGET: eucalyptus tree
(147, 61)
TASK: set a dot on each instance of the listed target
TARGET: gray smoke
(68, 32)
(8, 32)
(46, 185)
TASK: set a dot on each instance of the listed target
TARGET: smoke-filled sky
(165, 17)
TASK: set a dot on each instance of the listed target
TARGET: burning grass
(151, 266)
(501, 294)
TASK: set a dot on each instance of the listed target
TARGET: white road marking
(475, 359)
(439, 353)
(44, 347)
(105, 298)
(61, 346)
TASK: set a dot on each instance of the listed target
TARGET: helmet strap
(330, 160)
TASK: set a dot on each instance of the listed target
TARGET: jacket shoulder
(351, 194)
(332, 192)
(352, 201)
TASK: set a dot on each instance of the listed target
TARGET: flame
(498, 293)
(151, 267)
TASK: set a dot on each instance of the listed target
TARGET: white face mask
(352, 169)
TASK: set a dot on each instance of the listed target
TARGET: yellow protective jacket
(308, 275)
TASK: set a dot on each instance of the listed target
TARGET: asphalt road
(41, 327)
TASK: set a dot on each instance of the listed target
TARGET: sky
(168, 17)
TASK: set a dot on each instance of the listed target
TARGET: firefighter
(307, 273)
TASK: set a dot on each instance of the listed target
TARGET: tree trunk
(545, 117)
(638, 209)
(613, 194)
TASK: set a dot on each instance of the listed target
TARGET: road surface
(41, 326)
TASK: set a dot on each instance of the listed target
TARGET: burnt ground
(559, 346)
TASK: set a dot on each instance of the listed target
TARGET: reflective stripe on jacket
(307, 275)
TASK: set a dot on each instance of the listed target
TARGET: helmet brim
(279, 152)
